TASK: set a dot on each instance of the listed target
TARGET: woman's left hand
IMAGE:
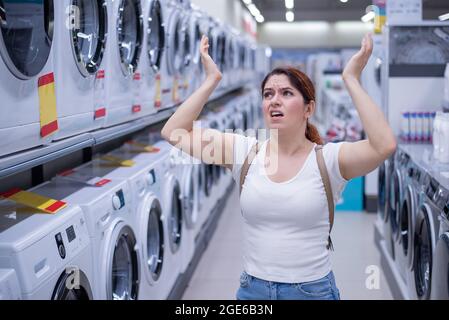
(357, 63)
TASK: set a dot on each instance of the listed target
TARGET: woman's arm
(179, 130)
(360, 158)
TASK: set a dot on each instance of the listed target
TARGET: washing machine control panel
(60, 245)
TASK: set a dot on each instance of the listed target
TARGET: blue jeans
(252, 288)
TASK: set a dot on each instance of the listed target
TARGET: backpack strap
(249, 159)
(328, 188)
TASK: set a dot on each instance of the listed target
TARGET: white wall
(318, 34)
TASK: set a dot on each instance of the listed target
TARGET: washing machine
(107, 207)
(151, 65)
(432, 202)
(80, 42)
(387, 213)
(9, 285)
(409, 208)
(194, 76)
(27, 75)
(399, 223)
(51, 254)
(148, 220)
(123, 52)
(177, 58)
(174, 198)
(440, 267)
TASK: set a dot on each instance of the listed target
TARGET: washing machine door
(188, 198)
(382, 190)
(156, 36)
(440, 273)
(175, 215)
(122, 270)
(26, 35)
(154, 240)
(129, 35)
(396, 213)
(176, 38)
(407, 224)
(73, 284)
(423, 252)
(196, 40)
(88, 34)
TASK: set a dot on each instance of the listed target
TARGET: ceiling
(334, 10)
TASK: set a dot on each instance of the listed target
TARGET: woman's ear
(310, 109)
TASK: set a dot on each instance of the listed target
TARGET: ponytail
(313, 135)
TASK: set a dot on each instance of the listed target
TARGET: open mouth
(276, 114)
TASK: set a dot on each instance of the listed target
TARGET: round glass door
(67, 289)
(175, 219)
(440, 278)
(189, 199)
(196, 43)
(381, 190)
(394, 204)
(26, 35)
(124, 273)
(155, 240)
(89, 35)
(404, 224)
(129, 34)
(156, 36)
(188, 54)
(423, 253)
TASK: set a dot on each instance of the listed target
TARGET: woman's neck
(288, 144)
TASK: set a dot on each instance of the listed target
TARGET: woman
(284, 206)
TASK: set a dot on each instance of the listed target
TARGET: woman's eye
(267, 94)
(287, 93)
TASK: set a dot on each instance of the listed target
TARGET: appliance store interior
(95, 204)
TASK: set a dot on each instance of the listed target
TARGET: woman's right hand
(211, 69)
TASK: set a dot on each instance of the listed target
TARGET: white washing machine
(108, 211)
(152, 61)
(26, 64)
(176, 28)
(149, 221)
(80, 42)
(50, 253)
(194, 76)
(9, 285)
(123, 51)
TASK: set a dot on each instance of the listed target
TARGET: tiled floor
(356, 260)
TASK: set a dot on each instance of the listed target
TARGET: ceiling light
(369, 16)
(444, 17)
(343, 1)
(289, 4)
(260, 18)
(289, 16)
(253, 9)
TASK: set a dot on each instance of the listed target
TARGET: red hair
(303, 84)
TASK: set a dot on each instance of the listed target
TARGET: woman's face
(283, 104)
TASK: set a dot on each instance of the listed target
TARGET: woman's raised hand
(211, 69)
(357, 63)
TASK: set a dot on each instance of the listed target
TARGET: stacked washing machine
(27, 75)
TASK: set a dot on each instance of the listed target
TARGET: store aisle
(217, 274)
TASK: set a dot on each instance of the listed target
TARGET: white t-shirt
(286, 225)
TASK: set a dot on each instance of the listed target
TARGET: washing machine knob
(150, 179)
(116, 204)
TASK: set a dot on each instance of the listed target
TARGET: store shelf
(25, 160)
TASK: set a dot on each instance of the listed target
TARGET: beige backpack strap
(249, 159)
(328, 188)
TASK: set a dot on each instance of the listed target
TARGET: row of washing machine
(73, 66)
(133, 220)
(414, 214)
